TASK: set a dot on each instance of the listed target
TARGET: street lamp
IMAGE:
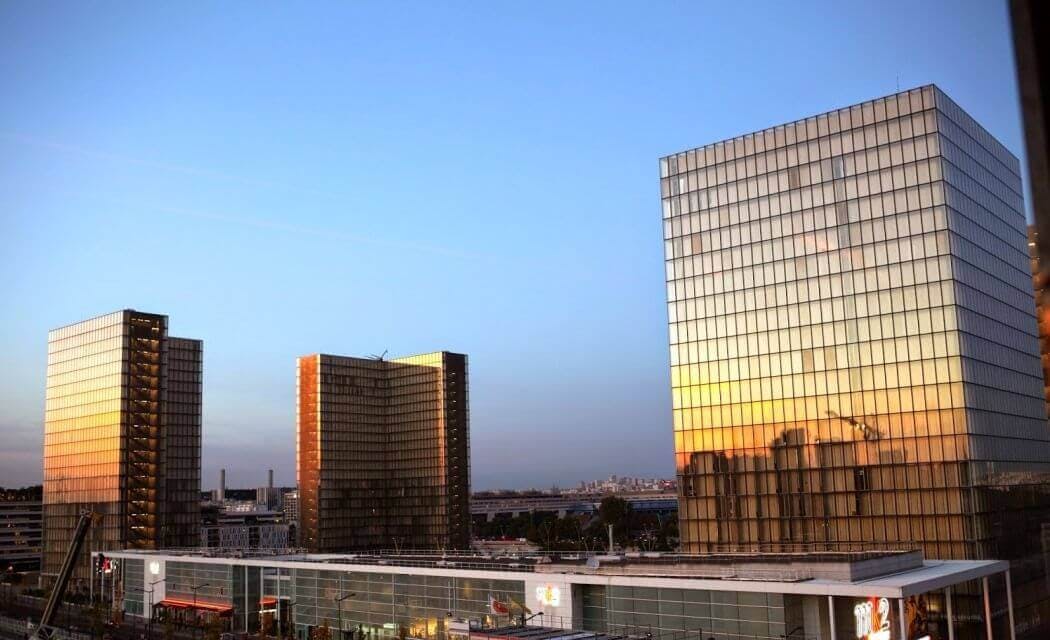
(196, 617)
(291, 616)
(149, 621)
(339, 600)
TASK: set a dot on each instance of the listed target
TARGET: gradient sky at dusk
(351, 178)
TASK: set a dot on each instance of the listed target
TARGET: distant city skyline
(475, 179)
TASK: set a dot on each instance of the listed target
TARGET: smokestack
(222, 485)
(269, 479)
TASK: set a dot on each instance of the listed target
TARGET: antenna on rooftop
(379, 357)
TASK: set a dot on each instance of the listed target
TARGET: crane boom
(87, 518)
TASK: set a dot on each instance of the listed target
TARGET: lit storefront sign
(873, 619)
(548, 595)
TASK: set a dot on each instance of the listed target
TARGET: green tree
(616, 512)
(613, 510)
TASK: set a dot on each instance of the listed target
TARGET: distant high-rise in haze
(122, 435)
(383, 454)
(854, 354)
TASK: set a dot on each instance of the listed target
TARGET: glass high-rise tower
(854, 353)
(122, 435)
(383, 452)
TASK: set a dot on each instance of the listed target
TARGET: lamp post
(149, 621)
(291, 616)
(339, 600)
(196, 618)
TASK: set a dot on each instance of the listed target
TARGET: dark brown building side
(383, 452)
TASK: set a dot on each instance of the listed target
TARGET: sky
(353, 178)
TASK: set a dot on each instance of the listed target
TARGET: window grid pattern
(382, 603)
(383, 454)
(121, 435)
(847, 308)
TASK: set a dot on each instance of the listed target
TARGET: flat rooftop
(640, 563)
(892, 574)
(512, 632)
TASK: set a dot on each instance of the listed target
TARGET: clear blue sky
(282, 179)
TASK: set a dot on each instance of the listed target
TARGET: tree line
(638, 530)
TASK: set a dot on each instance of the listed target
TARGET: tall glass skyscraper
(383, 452)
(854, 354)
(122, 435)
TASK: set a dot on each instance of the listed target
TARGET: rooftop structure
(21, 534)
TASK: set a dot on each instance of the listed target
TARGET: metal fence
(22, 629)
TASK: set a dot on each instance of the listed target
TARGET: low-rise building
(888, 595)
(21, 534)
(247, 530)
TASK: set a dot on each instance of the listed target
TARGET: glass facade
(383, 452)
(661, 597)
(853, 345)
(854, 353)
(381, 603)
(118, 417)
(687, 613)
(182, 443)
(214, 584)
(133, 586)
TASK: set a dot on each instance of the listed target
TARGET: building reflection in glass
(853, 345)
(121, 435)
(383, 452)
(854, 353)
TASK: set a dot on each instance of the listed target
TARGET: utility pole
(196, 616)
(339, 600)
(149, 623)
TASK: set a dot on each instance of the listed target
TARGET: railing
(222, 552)
(633, 632)
(20, 628)
(712, 549)
(723, 564)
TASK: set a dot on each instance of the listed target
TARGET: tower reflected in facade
(383, 452)
(122, 435)
(852, 329)
(854, 353)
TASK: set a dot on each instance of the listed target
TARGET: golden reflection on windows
(383, 452)
(121, 436)
(821, 291)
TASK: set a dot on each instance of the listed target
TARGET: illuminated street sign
(548, 595)
(873, 619)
